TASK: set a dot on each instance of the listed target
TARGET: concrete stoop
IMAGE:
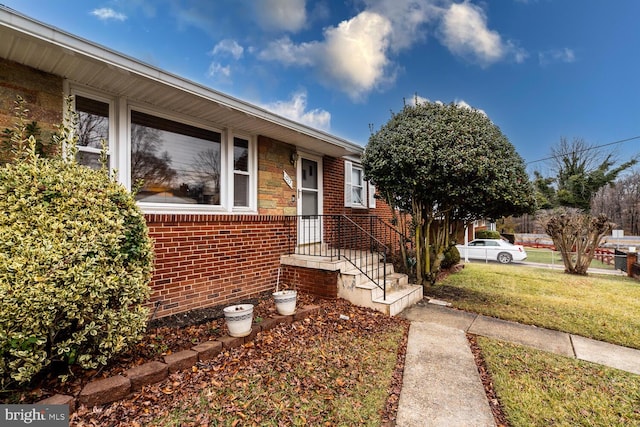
(358, 289)
(400, 294)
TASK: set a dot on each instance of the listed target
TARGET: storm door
(309, 199)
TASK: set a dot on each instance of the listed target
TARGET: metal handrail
(401, 246)
(338, 236)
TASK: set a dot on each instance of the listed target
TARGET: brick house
(230, 190)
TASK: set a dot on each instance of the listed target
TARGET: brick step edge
(108, 390)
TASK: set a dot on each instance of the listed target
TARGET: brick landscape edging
(108, 390)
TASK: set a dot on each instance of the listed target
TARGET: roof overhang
(48, 49)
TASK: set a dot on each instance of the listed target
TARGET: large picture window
(175, 165)
(174, 162)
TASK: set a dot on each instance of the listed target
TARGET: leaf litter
(322, 370)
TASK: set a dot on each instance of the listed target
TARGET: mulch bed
(175, 333)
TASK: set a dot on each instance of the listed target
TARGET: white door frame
(307, 224)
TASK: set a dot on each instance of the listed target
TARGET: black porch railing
(365, 241)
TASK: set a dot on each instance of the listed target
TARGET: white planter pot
(285, 301)
(239, 319)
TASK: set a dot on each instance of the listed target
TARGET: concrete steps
(360, 290)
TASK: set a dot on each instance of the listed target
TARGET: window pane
(176, 163)
(356, 177)
(357, 195)
(309, 174)
(309, 203)
(240, 154)
(91, 160)
(240, 190)
(93, 122)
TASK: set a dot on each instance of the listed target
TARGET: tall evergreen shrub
(75, 262)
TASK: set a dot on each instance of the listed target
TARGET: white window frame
(111, 142)
(368, 190)
(151, 207)
(119, 150)
(252, 172)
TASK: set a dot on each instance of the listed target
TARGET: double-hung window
(241, 173)
(93, 130)
(358, 193)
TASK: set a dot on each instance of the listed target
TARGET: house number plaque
(288, 179)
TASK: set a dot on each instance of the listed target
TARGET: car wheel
(504, 258)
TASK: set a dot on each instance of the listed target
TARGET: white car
(492, 250)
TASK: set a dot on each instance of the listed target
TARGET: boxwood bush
(75, 264)
(487, 234)
(451, 257)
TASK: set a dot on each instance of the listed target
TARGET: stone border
(108, 390)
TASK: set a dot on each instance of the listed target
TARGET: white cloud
(565, 55)
(228, 46)
(352, 55)
(465, 33)
(296, 109)
(218, 71)
(356, 56)
(463, 104)
(408, 18)
(287, 52)
(283, 15)
(106, 14)
(356, 53)
(416, 99)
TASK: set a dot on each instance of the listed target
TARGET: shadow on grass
(453, 293)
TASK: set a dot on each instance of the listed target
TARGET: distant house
(230, 192)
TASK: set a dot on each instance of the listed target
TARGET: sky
(541, 70)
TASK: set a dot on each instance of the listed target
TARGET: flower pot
(239, 319)
(285, 301)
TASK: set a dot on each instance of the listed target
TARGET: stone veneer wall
(275, 197)
(42, 92)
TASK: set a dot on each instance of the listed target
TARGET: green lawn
(601, 307)
(536, 388)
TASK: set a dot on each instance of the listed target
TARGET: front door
(309, 199)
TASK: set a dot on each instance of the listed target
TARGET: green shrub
(451, 257)
(487, 234)
(75, 264)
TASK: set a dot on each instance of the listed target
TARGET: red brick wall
(316, 282)
(334, 193)
(208, 260)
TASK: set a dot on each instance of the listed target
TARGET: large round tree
(449, 164)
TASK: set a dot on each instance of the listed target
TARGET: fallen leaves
(314, 372)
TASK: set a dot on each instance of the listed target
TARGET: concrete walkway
(441, 385)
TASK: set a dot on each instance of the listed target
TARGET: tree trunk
(419, 242)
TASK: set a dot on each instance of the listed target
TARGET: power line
(585, 149)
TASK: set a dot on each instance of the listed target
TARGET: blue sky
(540, 69)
